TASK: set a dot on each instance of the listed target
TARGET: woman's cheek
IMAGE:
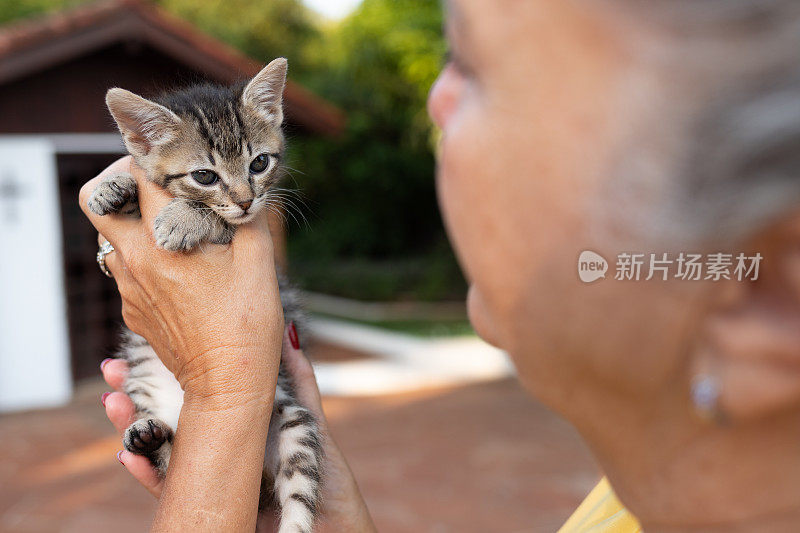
(464, 198)
(452, 185)
(455, 105)
(465, 191)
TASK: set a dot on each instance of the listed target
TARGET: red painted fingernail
(119, 453)
(293, 336)
(103, 363)
(103, 398)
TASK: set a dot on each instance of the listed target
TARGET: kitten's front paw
(112, 194)
(146, 435)
(173, 234)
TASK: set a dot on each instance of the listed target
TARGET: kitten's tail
(298, 478)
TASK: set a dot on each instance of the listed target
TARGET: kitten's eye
(205, 177)
(259, 164)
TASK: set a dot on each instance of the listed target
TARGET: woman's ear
(752, 337)
(264, 93)
(143, 124)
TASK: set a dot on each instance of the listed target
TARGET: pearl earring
(705, 393)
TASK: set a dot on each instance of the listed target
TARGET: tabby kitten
(216, 150)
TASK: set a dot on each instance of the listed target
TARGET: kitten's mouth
(241, 218)
(235, 215)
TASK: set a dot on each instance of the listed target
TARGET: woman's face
(564, 124)
(531, 116)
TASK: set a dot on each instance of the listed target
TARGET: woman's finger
(114, 263)
(152, 198)
(141, 469)
(117, 267)
(119, 410)
(121, 413)
(256, 229)
(305, 383)
(112, 226)
(114, 372)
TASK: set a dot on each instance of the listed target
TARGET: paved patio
(472, 458)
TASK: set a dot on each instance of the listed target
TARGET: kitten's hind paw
(115, 194)
(146, 435)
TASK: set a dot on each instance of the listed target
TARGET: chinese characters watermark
(685, 266)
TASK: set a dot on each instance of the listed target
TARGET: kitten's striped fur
(225, 130)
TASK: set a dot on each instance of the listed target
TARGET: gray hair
(732, 89)
(743, 171)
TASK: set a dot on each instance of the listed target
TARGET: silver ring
(102, 252)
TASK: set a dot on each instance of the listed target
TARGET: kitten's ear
(143, 124)
(264, 93)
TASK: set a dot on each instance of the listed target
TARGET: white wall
(34, 350)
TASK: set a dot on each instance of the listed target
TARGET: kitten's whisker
(287, 167)
(290, 203)
(290, 208)
(294, 180)
(285, 197)
(279, 213)
(287, 173)
(279, 193)
(296, 193)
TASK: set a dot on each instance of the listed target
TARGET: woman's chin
(479, 317)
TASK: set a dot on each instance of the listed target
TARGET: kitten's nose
(245, 205)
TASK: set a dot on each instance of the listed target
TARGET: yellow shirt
(601, 512)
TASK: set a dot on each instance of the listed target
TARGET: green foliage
(375, 231)
(383, 59)
(373, 190)
(261, 29)
(430, 277)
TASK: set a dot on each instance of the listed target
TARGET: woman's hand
(214, 318)
(343, 507)
(213, 315)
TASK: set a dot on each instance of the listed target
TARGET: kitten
(216, 150)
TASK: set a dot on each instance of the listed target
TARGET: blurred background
(438, 433)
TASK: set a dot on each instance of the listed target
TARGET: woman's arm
(215, 320)
(343, 507)
(216, 463)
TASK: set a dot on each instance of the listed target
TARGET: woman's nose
(443, 97)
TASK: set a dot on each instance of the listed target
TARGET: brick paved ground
(479, 458)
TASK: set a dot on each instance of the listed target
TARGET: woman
(613, 126)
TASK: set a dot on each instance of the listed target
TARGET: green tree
(261, 29)
(372, 191)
